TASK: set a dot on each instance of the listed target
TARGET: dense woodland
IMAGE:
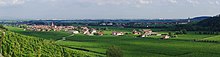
(209, 24)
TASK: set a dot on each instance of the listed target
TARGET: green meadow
(181, 46)
(46, 35)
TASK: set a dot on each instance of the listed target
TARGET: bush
(114, 51)
(3, 28)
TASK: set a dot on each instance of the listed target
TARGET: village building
(155, 34)
(100, 33)
(117, 33)
(165, 37)
(85, 31)
(73, 31)
(149, 32)
(136, 32)
(145, 35)
(52, 27)
(93, 31)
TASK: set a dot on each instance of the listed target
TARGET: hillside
(17, 45)
(200, 18)
(212, 23)
(208, 24)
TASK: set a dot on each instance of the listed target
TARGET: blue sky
(107, 9)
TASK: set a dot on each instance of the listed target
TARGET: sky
(107, 9)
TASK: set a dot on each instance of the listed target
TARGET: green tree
(170, 34)
(184, 31)
(2, 27)
(114, 51)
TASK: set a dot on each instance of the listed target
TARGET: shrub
(114, 51)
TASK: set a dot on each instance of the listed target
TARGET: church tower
(52, 24)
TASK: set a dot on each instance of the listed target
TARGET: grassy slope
(17, 45)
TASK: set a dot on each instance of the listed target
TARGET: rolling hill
(212, 23)
(18, 45)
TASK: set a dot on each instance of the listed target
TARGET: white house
(74, 31)
(165, 37)
(93, 31)
(117, 33)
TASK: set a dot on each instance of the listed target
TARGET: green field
(46, 35)
(182, 46)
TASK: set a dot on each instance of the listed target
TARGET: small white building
(74, 31)
(165, 37)
(145, 35)
(93, 31)
(117, 33)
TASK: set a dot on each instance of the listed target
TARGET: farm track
(83, 49)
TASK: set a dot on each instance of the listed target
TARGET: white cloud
(11, 2)
(145, 1)
(194, 2)
(214, 2)
(20, 2)
(132, 3)
(172, 1)
(217, 2)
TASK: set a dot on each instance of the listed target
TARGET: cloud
(194, 2)
(217, 2)
(145, 1)
(116, 2)
(20, 2)
(11, 2)
(172, 1)
(130, 3)
(214, 2)
(133, 3)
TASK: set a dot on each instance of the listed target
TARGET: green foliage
(2, 27)
(183, 31)
(23, 26)
(17, 45)
(2, 38)
(114, 51)
(172, 34)
(213, 22)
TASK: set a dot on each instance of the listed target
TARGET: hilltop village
(92, 31)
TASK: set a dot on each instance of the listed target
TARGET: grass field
(182, 46)
(46, 35)
(138, 47)
(215, 38)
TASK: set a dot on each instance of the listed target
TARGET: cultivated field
(182, 46)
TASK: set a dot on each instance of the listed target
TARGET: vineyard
(185, 45)
(17, 45)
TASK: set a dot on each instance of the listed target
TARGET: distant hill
(212, 23)
(200, 18)
(203, 23)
